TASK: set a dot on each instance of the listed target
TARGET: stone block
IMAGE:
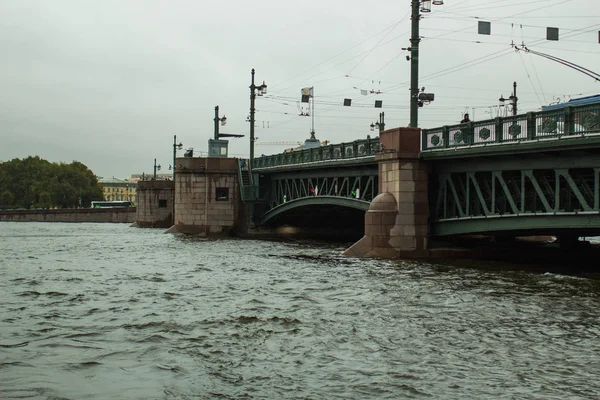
(388, 219)
(405, 176)
(403, 242)
(405, 219)
(409, 230)
(406, 208)
(405, 197)
(421, 230)
(407, 186)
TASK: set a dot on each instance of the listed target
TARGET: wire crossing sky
(109, 83)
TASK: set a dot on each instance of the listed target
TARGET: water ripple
(103, 311)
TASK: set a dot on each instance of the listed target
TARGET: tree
(6, 199)
(34, 182)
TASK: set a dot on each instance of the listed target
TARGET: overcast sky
(109, 82)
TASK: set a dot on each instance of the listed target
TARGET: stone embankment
(124, 215)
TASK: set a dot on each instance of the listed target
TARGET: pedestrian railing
(568, 121)
(333, 152)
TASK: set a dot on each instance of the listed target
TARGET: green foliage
(6, 199)
(36, 183)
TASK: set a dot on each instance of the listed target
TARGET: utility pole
(414, 64)
(262, 89)
(175, 147)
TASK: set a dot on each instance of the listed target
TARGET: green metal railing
(248, 190)
(332, 152)
(567, 121)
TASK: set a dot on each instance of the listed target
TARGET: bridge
(529, 174)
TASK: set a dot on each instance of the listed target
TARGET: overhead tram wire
(487, 6)
(391, 27)
(349, 59)
(531, 82)
(527, 71)
(456, 69)
(380, 40)
(588, 72)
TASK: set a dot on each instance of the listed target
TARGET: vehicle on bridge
(111, 204)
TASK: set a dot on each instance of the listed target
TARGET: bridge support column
(396, 225)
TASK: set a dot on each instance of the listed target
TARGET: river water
(106, 311)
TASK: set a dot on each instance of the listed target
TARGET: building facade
(119, 190)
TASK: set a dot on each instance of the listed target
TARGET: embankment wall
(124, 215)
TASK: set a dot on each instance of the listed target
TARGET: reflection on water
(104, 311)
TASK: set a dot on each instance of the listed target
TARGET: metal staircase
(248, 190)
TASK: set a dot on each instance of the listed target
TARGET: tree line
(36, 183)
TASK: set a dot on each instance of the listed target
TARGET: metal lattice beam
(470, 202)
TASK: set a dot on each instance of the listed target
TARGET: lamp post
(254, 91)
(223, 121)
(513, 98)
(156, 168)
(380, 124)
(175, 148)
(414, 55)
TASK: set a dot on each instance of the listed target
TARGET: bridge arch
(344, 202)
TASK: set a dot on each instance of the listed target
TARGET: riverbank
(109, 215)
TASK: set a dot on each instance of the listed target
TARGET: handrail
(340, 151)
(532, 126)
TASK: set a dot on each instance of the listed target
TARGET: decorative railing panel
(567, 121)
(340, 151)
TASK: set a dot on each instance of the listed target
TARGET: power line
(391, 27)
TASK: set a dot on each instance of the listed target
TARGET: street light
(156, 168)
(175, 148)
(380, 124)
(223, 121)
(513, 98)
(254, 91)
(414, 56)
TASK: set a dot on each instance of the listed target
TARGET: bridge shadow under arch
(327, 215)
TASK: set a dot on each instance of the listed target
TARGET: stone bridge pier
(396, 224)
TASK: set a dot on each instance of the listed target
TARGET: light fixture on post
(223, 121)
(379, 124)
(414, 59)
(218, 147)
(175, 148)
(156, 168)
(513, 99)
(254, 91)
(425, 6)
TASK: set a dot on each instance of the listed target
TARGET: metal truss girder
(471, 180)
(538, 189)
(551, 193)
(497, 175)
(359, 187)
(596, 188)
(584, 224)
(457, 202)
(582, 201)
(370, 170)
(512, 163)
